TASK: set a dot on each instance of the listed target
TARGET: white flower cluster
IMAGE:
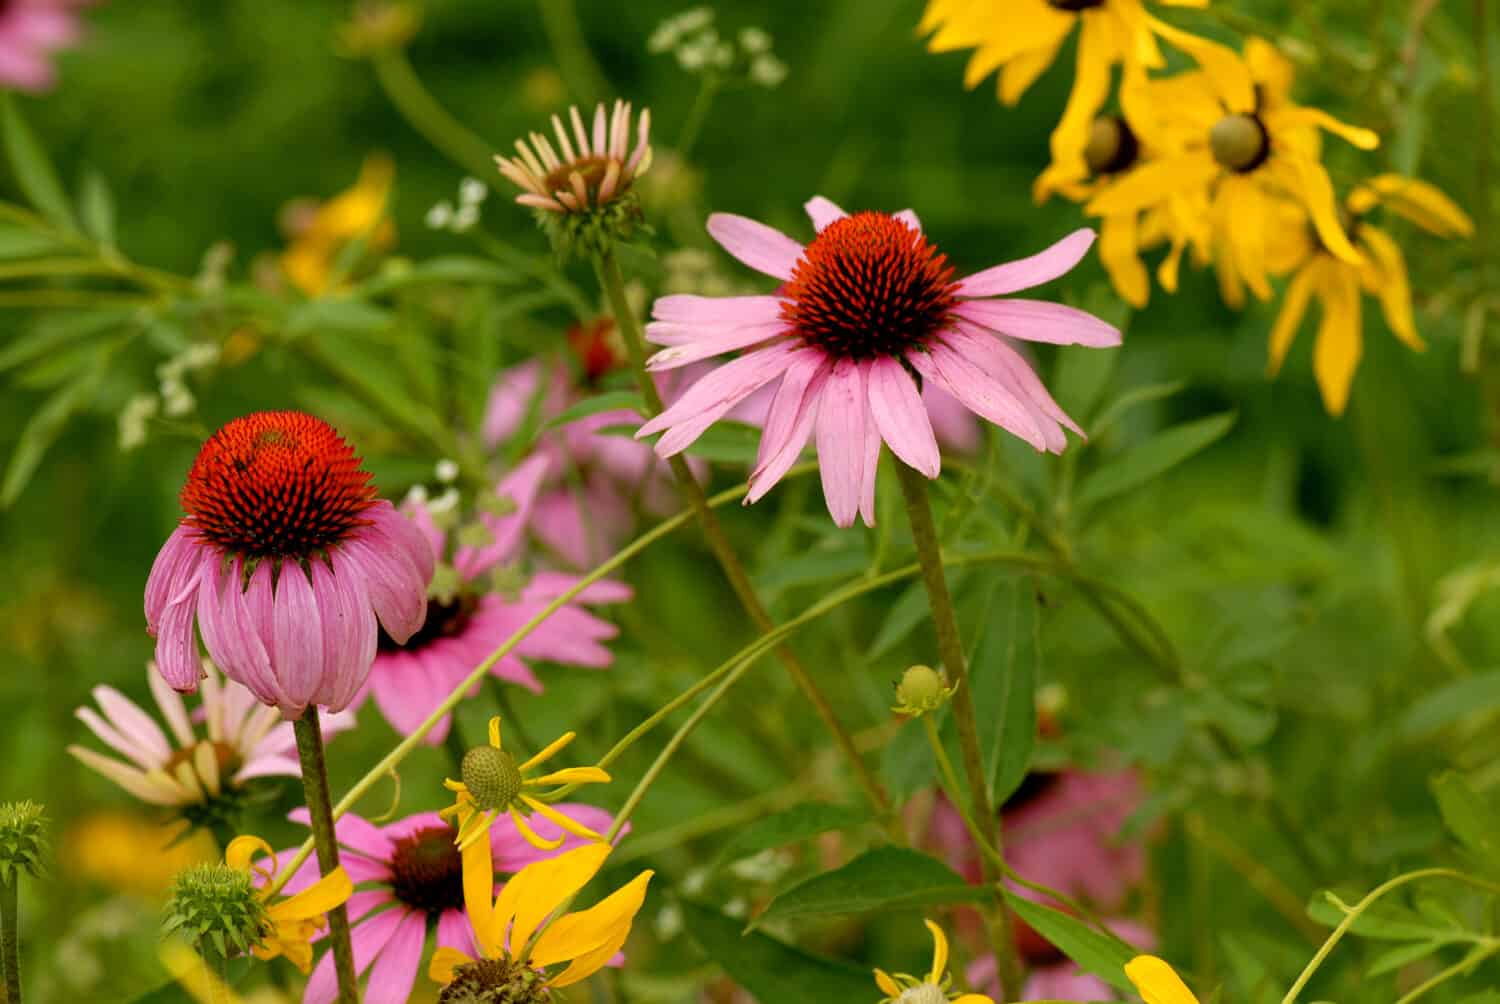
(172, 399)
(693, 39)
(445, 216)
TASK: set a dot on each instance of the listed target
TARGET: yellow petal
(531, 836)
(1091, 80)
(1272, 71)
(541, 887)
(474, 828)
(188, 969)
(495, 732)
(570, 775)
(1245, 208)
(1021, 72)
(552, 749)
(316, 900)
(591, 937)
(887, 986)
(1385, 276)
(1225, 70)
(1299, 116)
(1293, 307)
(939, 953)
(1340, 340)
(567, 823)
(1230, 288)
(479, 893)
(1153, 182)
(444, 963)
(1157, 982)
(1423, 204)
(1316, 193)
(242, 850)
(973, 999)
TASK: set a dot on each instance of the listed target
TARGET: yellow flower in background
(190, 971)
(1157, 982)
(321, 234)
(133, 855)
(295, 919)
(1337, 283)
(1244, 142)
(517, 943)
(493, 784)
(932, 988)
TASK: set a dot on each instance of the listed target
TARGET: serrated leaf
(1103, 956)
(770, 969)
(97, 208)
(32, 169)
(1468, 815)
(887, 878)
(1157, 455)
(42, 430)
(614, 400)
(789, 827)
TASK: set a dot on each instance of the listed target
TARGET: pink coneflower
(588, 169)
(410, 878)
(410, 678)
(197, 774)
(30, 31)
(868, 307)
(284, 559)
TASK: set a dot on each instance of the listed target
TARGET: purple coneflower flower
(588, 169)
(867, 308)
(412, 677)
(30, 31)
(410, 877)
(284, 559)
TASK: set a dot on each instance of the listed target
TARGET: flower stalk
(10, 951)
(607, 267)
(320, 812)
(950, 648)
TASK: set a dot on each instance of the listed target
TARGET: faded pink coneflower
(587, 169)
(30, 32)
(284, 559)
(866, 308)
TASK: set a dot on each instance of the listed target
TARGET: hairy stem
(10, 936)
(950, 648)
(613, 282)
(315, 787)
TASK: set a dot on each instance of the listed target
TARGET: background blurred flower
(30, 31)
(322, 235)
(128, 854)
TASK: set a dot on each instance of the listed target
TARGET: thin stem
(423, 112)
(1357, 910)
(607, 266)
(950, 648)
(10, 937)
(692, 127)
(1475, 956)
(574, 59)
(315, 787)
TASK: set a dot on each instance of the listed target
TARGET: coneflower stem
(320, 815)
(951, 650)
(607, 266)
(10, 936)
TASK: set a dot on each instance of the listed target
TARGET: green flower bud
(215, 907)
(495, 981)
(23, 839)
(492, 777)
(1239, 142)
(922, 689)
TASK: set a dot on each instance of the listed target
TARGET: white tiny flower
(754, 40)
(723, 55)
(444, 503)
(767, 71)
(465, 218)
(415, 495)
(134, 419)
(665, 37)
(177, 400)
(439, 216)
(694, 18)
(447, 470)
(692, 57)
(472, 191)
(669, 922)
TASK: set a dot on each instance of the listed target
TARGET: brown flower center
(1075, 5)
(591, 169)
(495, 981)
(868, 285)
(1240, 142)
(276, 484)
(427, 871)
(444, 620)
(1112, 147)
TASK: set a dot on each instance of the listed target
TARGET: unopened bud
(215, 907)
(922, 689)
(23, 839)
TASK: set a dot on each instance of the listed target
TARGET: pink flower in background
(1053, 977)
(866, 305)
(30, 31)
(412, 677)
(284, 559)
(409, 877)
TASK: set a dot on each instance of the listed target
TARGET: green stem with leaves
(10, 936)
(950, 648)
(320, 813)
(607, 267)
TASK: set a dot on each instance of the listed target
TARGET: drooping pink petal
(707, 345)
(1002, 360)
(841, 440)
(421, 518)
(909, 217)
(519, 488)
(297, 640)
(1044, 266)
(402, 535)
(757, 245)
(176, 648)
(711, 397)
(368, 938)
(395, 971)
(245, 651)
(550, 585)
(901, 416)
(396, 588)
(133, 724)
(714, 311)
(1040, 321)
(349, 634)
(977, 391)
(789, 421)
(173, 573)
(822, 211)
(871, 458)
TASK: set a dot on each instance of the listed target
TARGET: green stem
(1475, 956)
(320, 814)
(950, 648)
(582, 73)
(421, 110)
(403, 749)
(1358, 909)
(692, 127)
(10, 936)
(607, 267)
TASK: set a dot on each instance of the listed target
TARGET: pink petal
(395, 586)
(977, 391)
(402, 691)
(715, 311)
(558, 523)
(242, 627)
(872, 461)
(789, 421)
(901, 416)
(757, 245)
(402, 534)
(707, 345)
(395, 971)
(349, 633)
(511, 400)
(1040, 321)
(453, 931)
(176, 648)
(953, 424)
(355, 833)
(714, 395)
(421, 518)
(145, 758)
(841, 441)
(909, 217)
(520, 487)
(1002, 360)
(822, 212)
(133, 724)
(174, 573)
(368, 938)
(1041, 267)
(297, 640)
(550, 585)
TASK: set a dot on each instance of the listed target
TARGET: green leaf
(790, 827)
(613, 400)
(33, 170)
(887, 878)
(1123, 404)
(448, 268)
(728, 443)
(1468, 815)
(1154, 457)
(1471, 695)
(19, 242)
(43, 428)
(770, 969)
(1004, 674)
(97, 207)
(54, 332)
(902, 617)
(337, 314)
(1383, 921)
(906, 766)
(1394, 958)
(1101, 955)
